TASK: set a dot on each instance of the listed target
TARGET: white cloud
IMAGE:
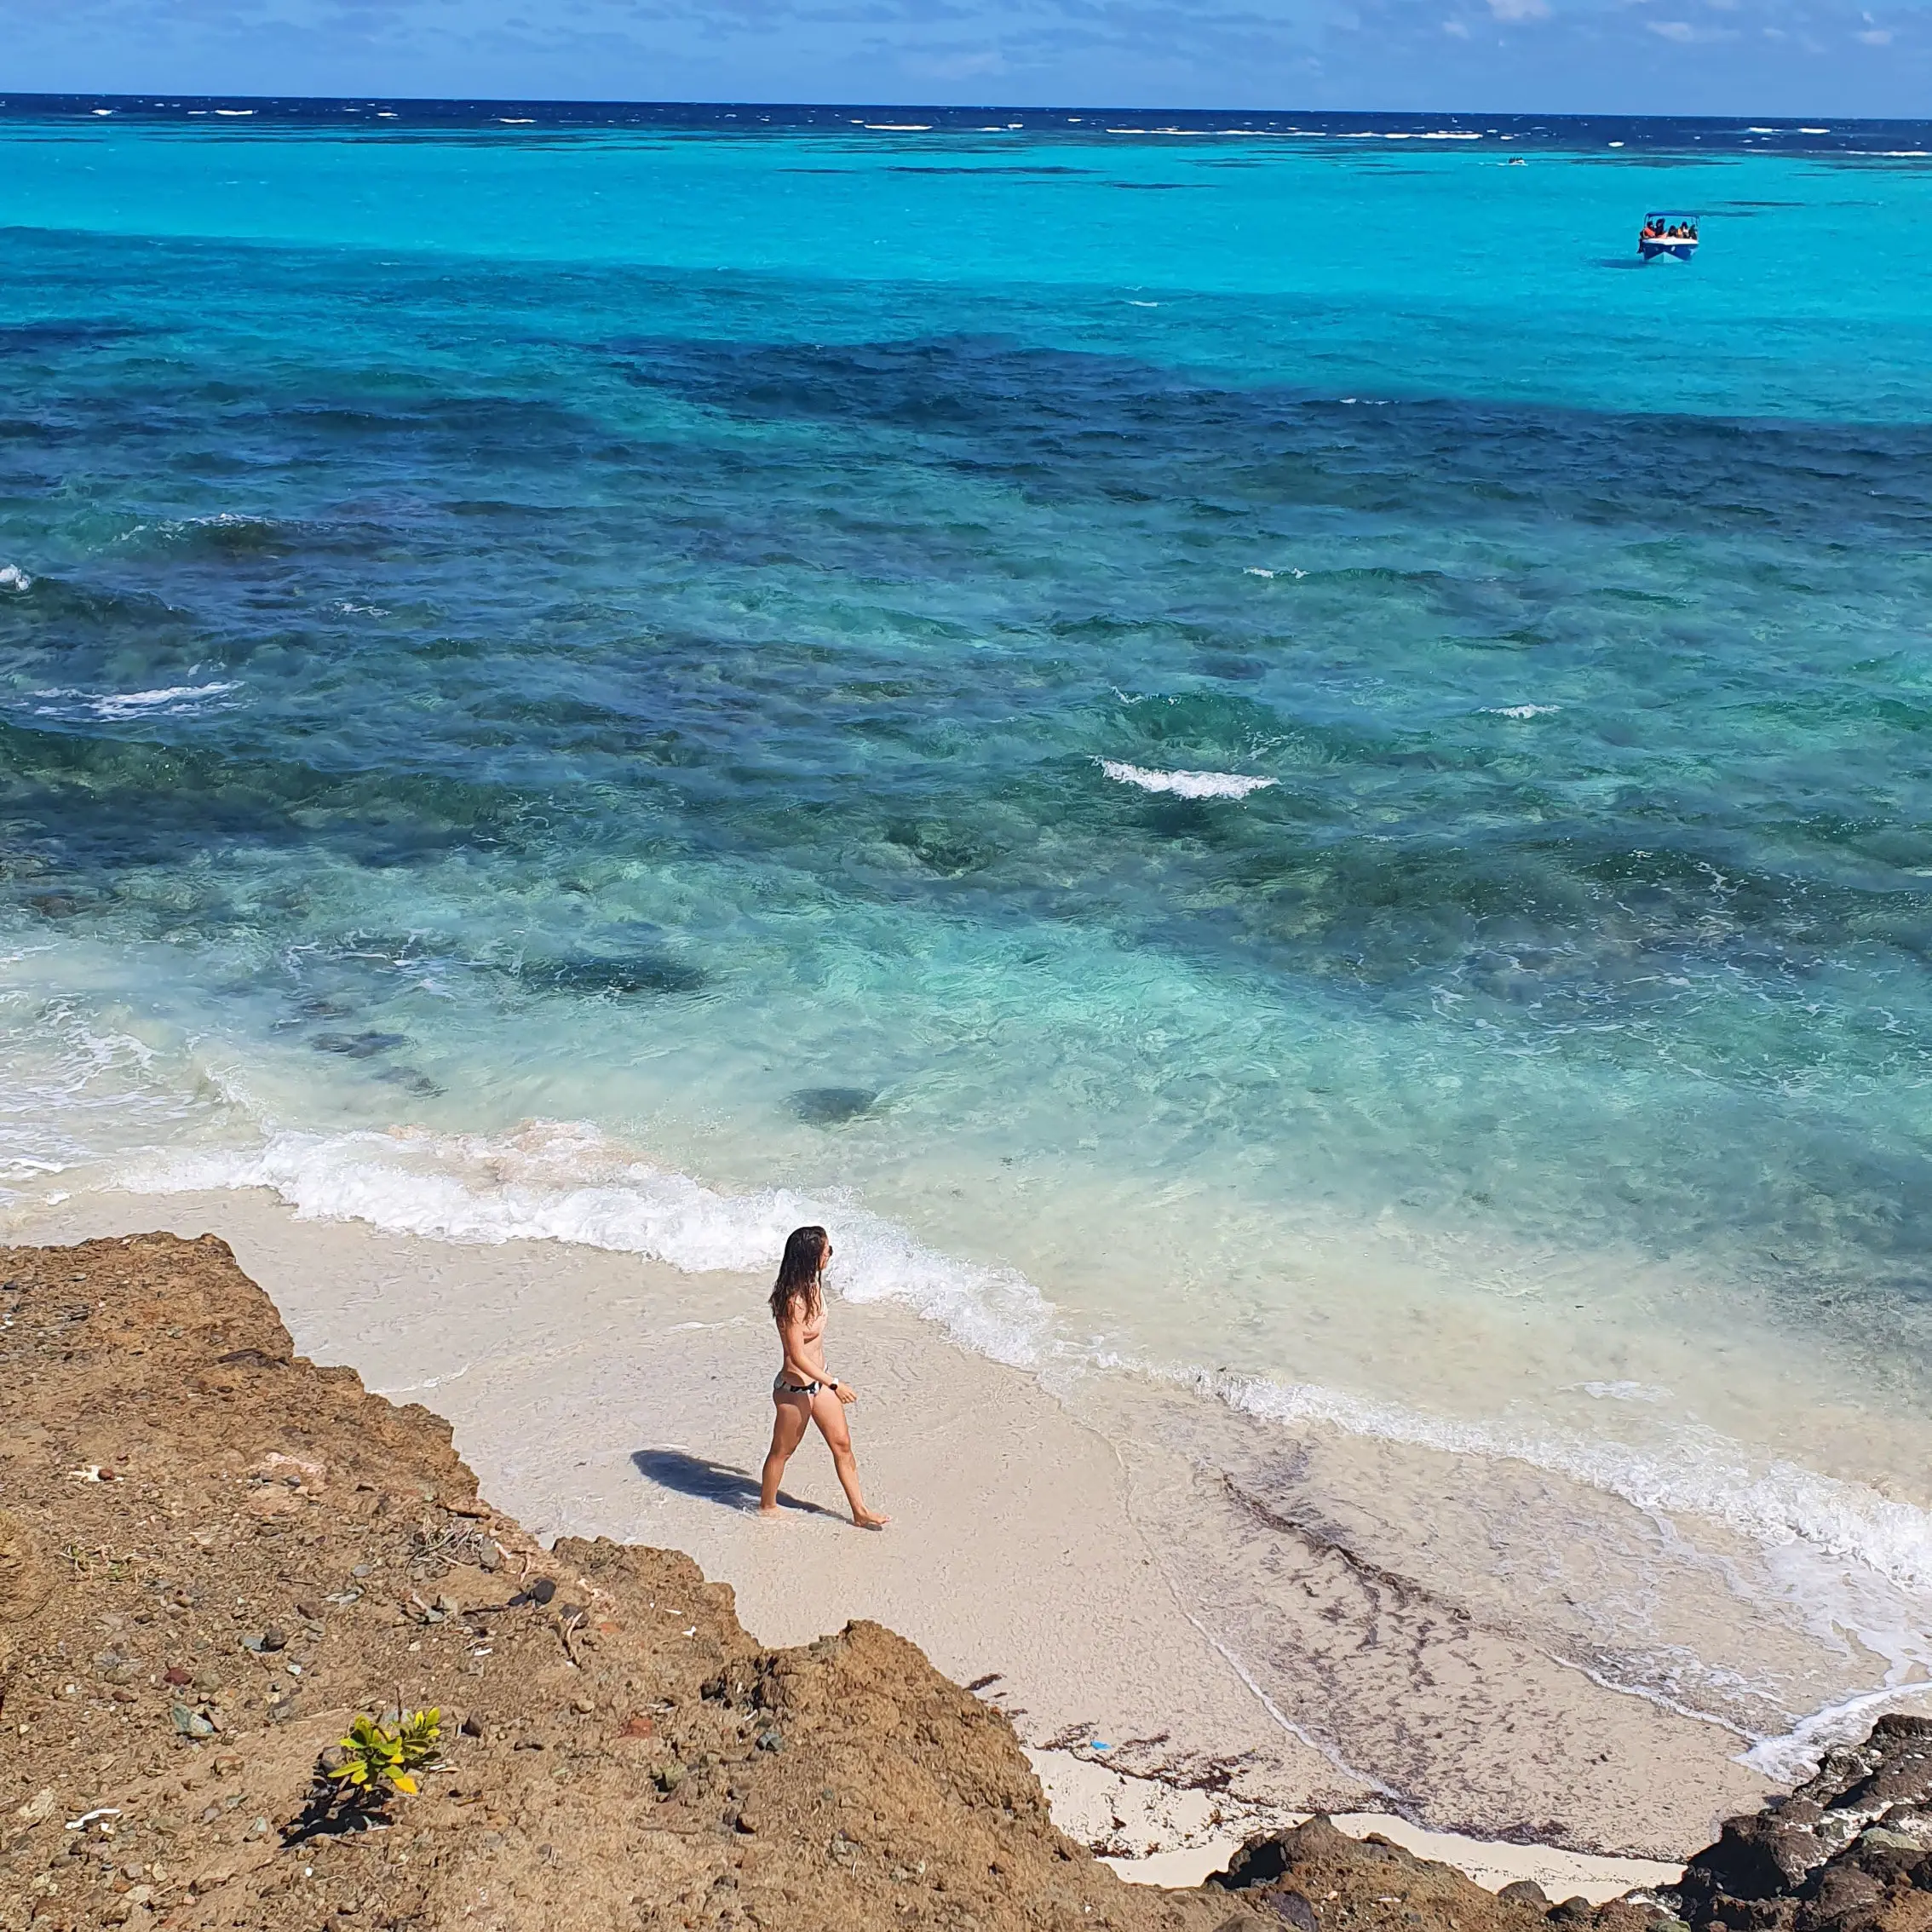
(1520, 10)
(1673, 30)
(1458, 28)
(1876, 37)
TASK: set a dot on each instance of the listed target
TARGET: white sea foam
(553, 1182)
(69, 1076)
(1519, 711)
(1186, 785)
(118, 704)
(1700, 1473)
(13, 579)
(1795, 1756)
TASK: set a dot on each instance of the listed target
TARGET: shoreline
(596, 1395)
(1185, 1835)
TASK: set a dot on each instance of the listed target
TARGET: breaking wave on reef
(1186, 785)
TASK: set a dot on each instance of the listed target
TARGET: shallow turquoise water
(669, 631)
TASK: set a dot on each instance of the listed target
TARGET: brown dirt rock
(1320, 1879)
(26, 1584)
(1849, 1851)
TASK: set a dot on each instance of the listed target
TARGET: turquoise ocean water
(622, 676)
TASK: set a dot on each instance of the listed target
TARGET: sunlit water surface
(1244, 753)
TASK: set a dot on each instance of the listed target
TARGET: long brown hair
(805, 1250)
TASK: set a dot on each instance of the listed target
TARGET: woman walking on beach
(804, 1392)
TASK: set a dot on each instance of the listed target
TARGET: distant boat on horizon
(1669, 233)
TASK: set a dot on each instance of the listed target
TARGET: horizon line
(177, 97)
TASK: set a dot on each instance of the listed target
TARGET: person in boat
(804, 1392)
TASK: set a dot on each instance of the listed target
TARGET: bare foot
(768, 1508)
(867, 1519)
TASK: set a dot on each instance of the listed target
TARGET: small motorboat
(1667, 232)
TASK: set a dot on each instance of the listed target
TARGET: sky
(1740, 57)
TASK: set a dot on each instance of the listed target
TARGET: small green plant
(380, 1758)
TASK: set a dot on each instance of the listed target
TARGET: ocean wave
(1186, 785)
(550, 1182)
(68, 1076)
(1701, 1474)
(13, 579)
(113, 706)
(1519, 711)
(222, 533)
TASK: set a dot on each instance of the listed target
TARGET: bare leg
(788, 1431)
(829, 1414)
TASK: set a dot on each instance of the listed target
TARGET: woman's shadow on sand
(711, 1482)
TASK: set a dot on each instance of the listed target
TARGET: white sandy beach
(595, 1394)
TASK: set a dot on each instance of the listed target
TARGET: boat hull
(1678, 250)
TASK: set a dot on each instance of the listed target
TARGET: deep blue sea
(1237, 744)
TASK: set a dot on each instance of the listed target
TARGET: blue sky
(1751, 57)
